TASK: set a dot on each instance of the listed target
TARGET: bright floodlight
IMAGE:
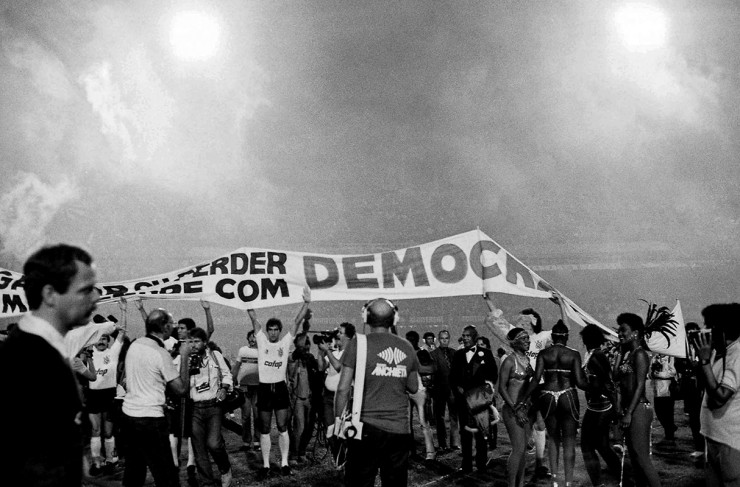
(194, 35)
(642, 27)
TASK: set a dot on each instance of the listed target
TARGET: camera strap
(359, 384)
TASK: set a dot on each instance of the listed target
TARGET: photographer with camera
(330, 361)
(719, 373)
(210, 380)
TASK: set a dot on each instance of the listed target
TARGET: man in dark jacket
(471, 367)
(42, 445)
(442, 396)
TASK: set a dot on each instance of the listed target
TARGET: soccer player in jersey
(273, 389)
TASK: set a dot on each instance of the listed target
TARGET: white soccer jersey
(106, 363)
(537, 343)
(273, 357)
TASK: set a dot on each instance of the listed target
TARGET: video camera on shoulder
(325, 337)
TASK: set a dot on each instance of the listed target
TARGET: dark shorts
(100, 400)
(273, 397)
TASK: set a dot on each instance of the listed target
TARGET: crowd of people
(142, 402)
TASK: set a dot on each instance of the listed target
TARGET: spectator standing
(429, 342)
(330, 360)
(391, 372)
(719, 371)
(247, 377)
(442, 395)
(692, 391)
(663, 372)
(149, 371)
(42, 445)
(471, 367)
(303, 371)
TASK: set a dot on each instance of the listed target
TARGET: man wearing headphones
(391, 371)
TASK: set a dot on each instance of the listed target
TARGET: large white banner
(467, 264)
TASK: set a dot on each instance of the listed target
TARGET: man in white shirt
(149, 371)
(273, 389)
(42, 445)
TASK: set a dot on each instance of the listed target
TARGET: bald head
(159, 321)
(380, 312)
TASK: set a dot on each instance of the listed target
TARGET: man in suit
(42, 445)
(442, 397)
(471, 367)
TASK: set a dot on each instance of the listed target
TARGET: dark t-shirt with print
(388, 372)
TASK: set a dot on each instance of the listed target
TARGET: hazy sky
(357, 125)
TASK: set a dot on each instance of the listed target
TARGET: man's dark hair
(188, 322)
(592, 336)
(156, 321)
(250, 333)
(55, 265)
(633, 321)
(429, 334)
(273, 322)
(413, 337)
(724, 317)
(537, 326)
(349, 329)
(199, 333)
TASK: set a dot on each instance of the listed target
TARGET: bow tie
(470, 349)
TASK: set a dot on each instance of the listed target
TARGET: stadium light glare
(642, 27)
(194, 35)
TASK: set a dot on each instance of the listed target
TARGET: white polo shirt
(273, 357)
(148, 370)
(332, 375)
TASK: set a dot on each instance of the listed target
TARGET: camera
(194, 365)
(325, 337)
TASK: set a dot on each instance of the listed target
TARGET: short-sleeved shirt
(390, 363)
(106, 364)
(273, 357)
(332, 375)
(148, 370)
(723, 424)
(248, 371)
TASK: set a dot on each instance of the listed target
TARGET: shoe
(226, 479)
(431, 456)
(95, 470)
(542, 472)
(192, 477)
(455, 447)
(245, 447)
(262, 474)
(286, 471)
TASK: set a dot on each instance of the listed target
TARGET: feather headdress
(659, 320)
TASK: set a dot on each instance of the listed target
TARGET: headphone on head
(366, 306)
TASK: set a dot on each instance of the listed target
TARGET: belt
(205, 404)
